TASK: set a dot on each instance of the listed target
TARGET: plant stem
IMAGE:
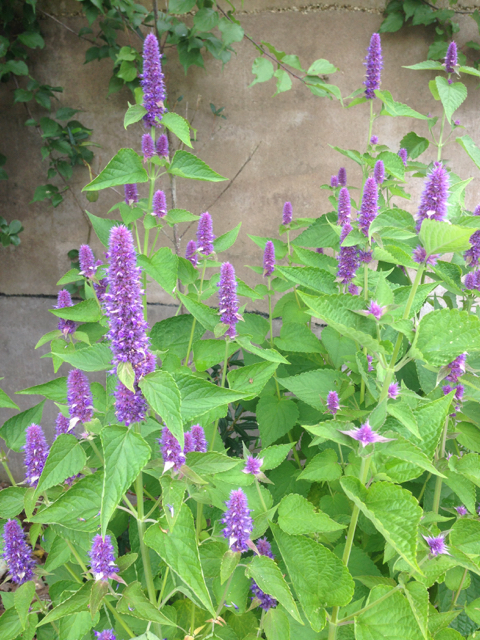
(270, 318)
(438, 479)
(192, 332)
(119, 619)
(260, 628)
(373, 604)
(440, 143)
(459, 589)
(224, 373)
(147, 231)
(96, 451)
(294, 450)
(259, 491)
(3, 459)
(199, 520)
(164, 583)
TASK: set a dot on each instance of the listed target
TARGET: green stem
(192, 332)
(440, 143)
(370, 125)
(459, 589)
(96, 451)
(164, 584)
(288, 246)
(3, 458)
(260, 628)
(119, 619)
(199, 520)
(270, 318)
(294, 450)
(78, 559)
(72, 573)
(147, 231)
(224, 373)
(154, 242)
(259, 491)
(374, 604)
(438, 480)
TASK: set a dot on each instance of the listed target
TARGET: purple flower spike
(161, 146)
(80, 402)
(64, 300)
(374, 66)
(333, 402)
(347, 227)
(189, 443)
(17, 553)
(437, 544)
(102, 558)
(131, 194)
(369, 208)
(227, 296)
(461, 510)
(376, 310)
(264, 548)
(238, 522)
(473, 254)
(62, 425)
(456, 368)
(433, 204)
(159, 204)
(334, 182)
(403, 154)
(148, 146)
(88, 265)
(366, 435)
(152, 82)
(171, 451)
(470, 281)
(379, 172)
(108, 634)
(253, 465)
(287, 213)
(476, 211)
(205, 235)
(353, 289)
(342, 177)
(393, 390)
(365, 256)
(198, 434)
(347, 263)
(344, 206)
(419, 256)
(266, 602)
(451, 58)
(191, 252)
(268, 259)
(36, 453)
(370, 365)
(374, 140)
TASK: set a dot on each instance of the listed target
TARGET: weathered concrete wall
(293, 160)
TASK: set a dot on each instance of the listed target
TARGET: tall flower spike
(64, 300)
(268, 259)
(62, 425)
(159, 204)
(172, 454)
(191, 252)
(107, 634)
(342, 177)
(347, 264)
(88, 264)
(161, 146)
(227, 295)
(266, 602)
(17, 553)
(36, 453)
(365, 435)
(152, 82)
(451, 58)
(333, 402)
(369, 208)
(287, 213)
(344, 206)
(379, 172)
(238, 522)
(347, 227)
(403, 155)
(456, 368)
(334, 182)
(189, 443)
(473, 254)
(102, 558)
(131, 194)
(148, 146)
(374, 64)
(433, 203)
(264, 548)
(199, 437)
(79, 396)
(127, 327)
(205, 235)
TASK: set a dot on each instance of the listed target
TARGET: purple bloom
(476, 211)
(437, 544)
(17, 553)
(473, 254)
(172, 454)
(102, 558)
(80, 402)
(268, 259)
(376, 310)
(344, 206)
(347, 227)
(433, 204)
(370, 366)
(333, 403)
(461, 510)
(36, 453)
(161, 146)
(379, 172)
(189, 443)
(287, 213)
(318, 250)
(470, 281)
(393, 390)
(451, 58)
(347, 264)
(205, 235)
(64, 300)
(266, 602)
(264, 548)
(365, 256)
(456, 123)
(159, 204)
(365, 435)
(152, 82)
(131, 194)
(456, 368)
(148, 146)
(459, 391)
(252, 465)
(369, 208)
(88, 265)
(199, 438)
(227, 296)
(403, 154)
(334, 182)
(419, 256)
(238, 522)
(108, 634)
(62, 425)
(374, 66)
(374, 140)
(342, 177)
(191, 252)
(353, 289)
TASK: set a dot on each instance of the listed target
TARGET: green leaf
(418, 597)
(11, 502)
(297, 338)
(296, 515)
(70, 276)
(284, 82)
(263, 69)
(85, 311)
(444, 334)
(200, 396)
(173, 492)
(55, 390)
(392, 23)
(6, 402)
(403, 413)
(176, 216)
(13, 429)
(231, 32)
(180, 6)
(321, 67)
(134, 113)
(405, 450)
(206, 353)
(206, 316)
(125, 453)
(180, 552)
(319, 234)
(126, 167)
(177, 125)
(313, 386)
(186, 165)
(394, 255)
(442, 237)
(276, 625)
(465, 535)
(275, 455)
(10, 625)
(98, 357)
(266, 354)
(58, 555)
(99, 591)
(23, 598)
(225, 241)
(174, 333)
(66, 458)
(451, 95)
(323, 467)
(428, 65)
(414, 144)
(17, 67)
(393, 108)
(162, 267)
(275, 416)
(317, 280)
(162, 394)
(211, 462)
(32, 39)
(135, 603)
(320, 579)
(391, 619)
(393, 511)
(471, 148)
(102, 227)
(126, 375)
(230, 561)
(270, 580)
(77, 602)
(252, 378)
(205, 19)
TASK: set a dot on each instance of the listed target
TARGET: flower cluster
(419, 256)
(239, 524)
(287, 213)
(437, 544)
(205, 235)
(36, 453)
(344, 206)
(88, 264)
(131, 194)
(152, 82)
(379, 172)
(333, 402)
(227, 295)
(107, 634)
(451, 59)
(173, 456)
(374, 64)
(403, 155)
(102, 558)
(433, 203)
(159, 204)
(79, 396)
(369, 207)
(342, 177)
(253, 465)
(17, 553)
(148, 146)
(366, 435)
(268, 259)
(266, 602)
(64, 300)
(62, 425)
(191, 252)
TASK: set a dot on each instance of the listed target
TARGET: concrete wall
(293, 160)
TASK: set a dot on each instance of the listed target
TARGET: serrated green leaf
(444, 334)
(11, 502)
(270, 580)
(267, 354)
(206, 316)
(263, 70)
(297, 338)
(126, 167)
(23, 598)
(174, 333)
(405, 450)
(225, 241)
(162, 267)
(98, 357)
(275, 416)
(55, 390)
(273, 456)
(276, 625)
(13, 429)
(6, 402)
(102, 227)
(10, 625)
(163, 395)
(126, 375)
(186, 165)
(252, 378)
(76, 603)
(85, 311)
(442, 237)
(134, 113)
(135, 603)
(313, 386)
(451, 95)
(315, 279)
(200, 396)
(178, 126)
(323, 467)
(471, 148)
(71, 276)
(393, 108)
(296, 515)
(65, 459)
